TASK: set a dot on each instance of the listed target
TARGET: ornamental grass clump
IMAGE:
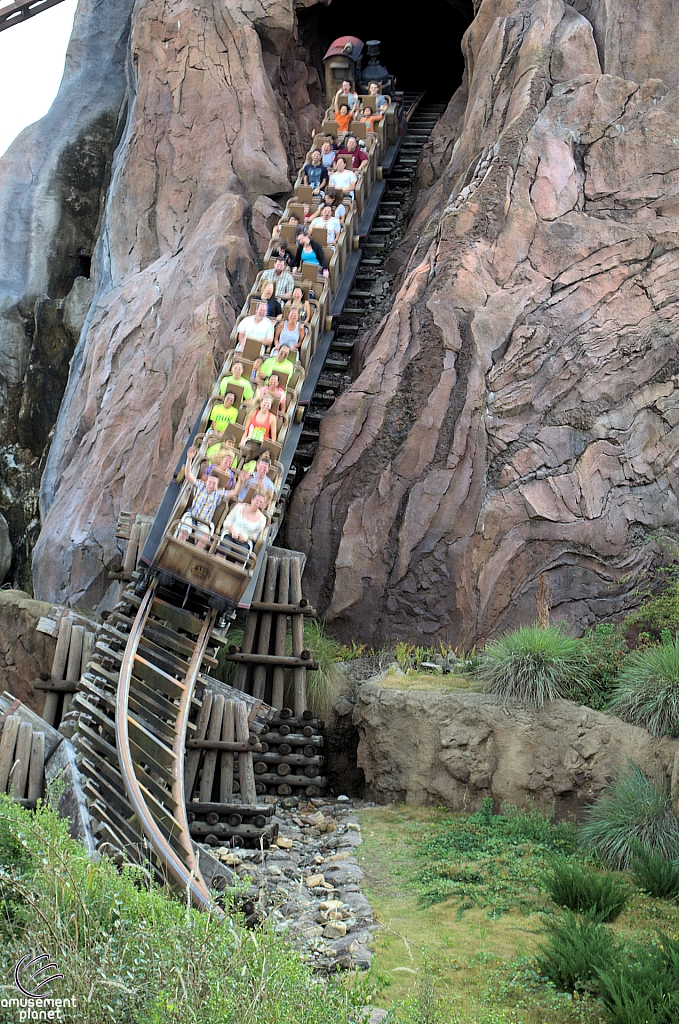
(576, 949)
(634, 811)
(655, 875)
(641, 985)
(647, 691)
(531, 665)
(599, 894)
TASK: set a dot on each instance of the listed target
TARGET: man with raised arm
(207, 495)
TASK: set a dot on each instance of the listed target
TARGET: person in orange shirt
(343, 118)
(370, 119)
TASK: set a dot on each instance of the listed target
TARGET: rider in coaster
(279, 363)
(236, 377)
(244, 523)
(207, 495)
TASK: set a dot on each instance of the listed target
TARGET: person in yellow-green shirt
(223, 451)
(224, 414)
(237, 378)
(279, 363)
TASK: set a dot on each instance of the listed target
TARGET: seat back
(359, 129)
(305, 193)
(287, 234)
(369, 101)
(237, 390)
(252, 348)
(310, 272)
(320, 235)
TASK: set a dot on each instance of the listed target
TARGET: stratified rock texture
(204, 144)
(517, 413)
(458, 749)
(52, 182)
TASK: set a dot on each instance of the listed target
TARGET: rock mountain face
(517, 411)
(196, 115)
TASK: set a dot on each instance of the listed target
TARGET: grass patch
(472, 965)
(532, 664)
(647, 690)
(431, 683)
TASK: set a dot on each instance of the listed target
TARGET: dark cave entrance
(422, 49)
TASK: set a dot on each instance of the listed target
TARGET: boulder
(516, 412)
(24, 653)
(457, 749)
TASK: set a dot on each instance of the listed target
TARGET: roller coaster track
(18, 12)
(153, 654)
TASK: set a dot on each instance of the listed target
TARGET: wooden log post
(22, 757)
(58, 669)
(226, 770)
(193, 757)
(240, 681)
(246, 771)
(299, 674)
(7, 743)
(259, 683)
(210, 759)
(278, 688)
(74, 667)
(37, 767)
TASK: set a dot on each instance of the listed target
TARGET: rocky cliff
(187, 119)
(517, 411)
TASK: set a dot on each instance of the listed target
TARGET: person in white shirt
(258, 326)
(342, 177)
(331, 224)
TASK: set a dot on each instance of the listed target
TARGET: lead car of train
(220, 569)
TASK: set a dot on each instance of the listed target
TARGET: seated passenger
(289, 332)
(298, 302)
(254, 474)
(327, 154)
(381, 102)
(244, 523)
(236, 377)
(315, 174)
(367, 117)
(334, 196)
(258, 326)
(311, 253)
(297, 225)
(345, 95)
(223, 452)
(279, 363)
(280, 251)
(282, 279)
(309, 215)
(342, 177)
(273, 307)
(343, 118)
(225, 413)
(207, 495)
(257, 377)
(260, 423)
(331, 224)
(353, 152)
(273, 390)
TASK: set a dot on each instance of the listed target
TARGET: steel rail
(187, 873)
(22, 10)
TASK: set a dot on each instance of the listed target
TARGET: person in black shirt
(315, 174)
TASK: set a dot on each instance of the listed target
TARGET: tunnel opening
(422, 51)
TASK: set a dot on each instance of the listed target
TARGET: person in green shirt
(223, 451)
(279, 363)
(237, 378)
(224, 414)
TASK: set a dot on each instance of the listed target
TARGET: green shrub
(574, 887)
(647, 692)
(655, 875)
(634, 810)
(642, 987)
(129, 953)
(576, 949)
(661, 611)
(531, 665)
(605, 650)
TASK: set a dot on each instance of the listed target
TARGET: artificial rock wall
(517, 410)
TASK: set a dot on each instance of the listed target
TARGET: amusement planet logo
(31, 975)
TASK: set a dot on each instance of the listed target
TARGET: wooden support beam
(271, 659)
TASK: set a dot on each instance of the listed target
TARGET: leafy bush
(531, 665)
(605, 650)
(642, 987)
(634, 810)
(576, 950)
(602, 896)
(130, 953)
(661, 611)
(647, 692)
(654, 874)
